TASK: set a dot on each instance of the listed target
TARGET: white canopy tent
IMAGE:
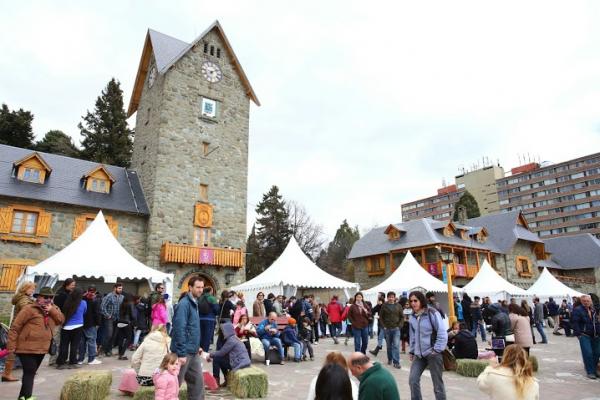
(548, 286)
(408, 276)
(293, 270)
(96, 254)
(488, 282)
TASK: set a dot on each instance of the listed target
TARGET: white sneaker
(95, 362)
(79, 362)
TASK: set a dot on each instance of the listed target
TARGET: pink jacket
(238, 314)
(166, 385)
(159, 314)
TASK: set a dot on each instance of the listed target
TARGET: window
(209, 108)
(523, 267)
(201, 237)
(376, 265)
(24, 222)
(32, 168)
(10, 270)
(31, 175)
(98, 180)
(577, 175)
(82, 222)
(98, 185)
(203, 192)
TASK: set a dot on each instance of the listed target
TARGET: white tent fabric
(97, 254)
(408, 276)
(292, 270)
(548, 286)
(488, 282)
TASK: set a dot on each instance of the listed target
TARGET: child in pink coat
(159, 313)
(166, 384)
(240, 309)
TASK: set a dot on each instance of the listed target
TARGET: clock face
(152, 76)
(211, 72)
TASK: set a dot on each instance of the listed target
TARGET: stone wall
(362, 277)
(5, 306)
(170, 160)
(131, 231)
(579, 275)
(506, 264)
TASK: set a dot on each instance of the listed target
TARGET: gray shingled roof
(418, 232)
(64, 185)
(166, 49)
(574, 252)
(503, 229)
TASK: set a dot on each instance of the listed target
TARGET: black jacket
(268, 306)
(92, 316)
(465, 345)
(500, 322)
(296, 310)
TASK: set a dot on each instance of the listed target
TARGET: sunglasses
(45, 297)
(414, 301)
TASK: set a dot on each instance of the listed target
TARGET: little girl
(166, 384)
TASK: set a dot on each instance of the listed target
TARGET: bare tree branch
(308, 234)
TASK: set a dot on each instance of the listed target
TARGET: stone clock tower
(191, 155)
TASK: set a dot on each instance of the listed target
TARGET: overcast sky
(365, 105)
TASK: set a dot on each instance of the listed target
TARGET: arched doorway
(207, 282)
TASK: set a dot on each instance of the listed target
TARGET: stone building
(182, 206)
(503, 239)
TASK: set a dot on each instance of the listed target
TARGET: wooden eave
(140, 78)
(522, 221)
(37, 156)
(98, 168)
(147, 53)
(390, 228)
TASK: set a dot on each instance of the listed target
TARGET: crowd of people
(169, 342)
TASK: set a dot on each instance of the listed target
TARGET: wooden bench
(282, 322)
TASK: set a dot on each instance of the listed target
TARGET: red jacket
(335, 309)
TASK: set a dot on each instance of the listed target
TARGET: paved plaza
(561, 376)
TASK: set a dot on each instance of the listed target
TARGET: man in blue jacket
(185, 339)
(586, 327)
(269, 335)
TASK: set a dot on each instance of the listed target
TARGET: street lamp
(447, 258)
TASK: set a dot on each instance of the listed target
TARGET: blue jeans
(272, 341)
(392, 343)
(481, 326)
(297, 350)
(207, 332)
(335, 329)
(361, 339)
(436, 367)
(540, 328)
(590, 351)
(380, 335)
(109, 335)
(88, 342)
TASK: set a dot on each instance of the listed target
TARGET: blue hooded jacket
(421, 330)
(232, 348)
(290, 336)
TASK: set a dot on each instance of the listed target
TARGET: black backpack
(204, 305)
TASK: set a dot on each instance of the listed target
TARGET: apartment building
(439, 207)
(558, 199)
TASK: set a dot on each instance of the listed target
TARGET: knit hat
(45, 291)
(291, 321)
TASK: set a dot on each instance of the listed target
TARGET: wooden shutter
(79, 226)
(113, 226)
(43, 224)
(5, 219)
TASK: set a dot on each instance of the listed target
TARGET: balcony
(457, 270)
(188, 254)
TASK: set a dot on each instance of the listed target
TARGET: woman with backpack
(208, 308)
(428, 339)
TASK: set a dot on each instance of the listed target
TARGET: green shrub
(87, 385)
(470, 368)
(248, 382)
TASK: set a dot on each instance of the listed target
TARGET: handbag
(53, 349)
(449, 360)
(510, 338)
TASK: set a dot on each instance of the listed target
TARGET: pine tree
(334, 260)
(273, 231)
(468, 201)
(253, 262)
(57, 142)
(15, 127)
(106, 137)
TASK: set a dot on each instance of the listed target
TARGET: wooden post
(423, 264)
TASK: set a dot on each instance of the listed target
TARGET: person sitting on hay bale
(233, 355)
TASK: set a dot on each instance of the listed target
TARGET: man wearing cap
(290, 338)
(30, 336)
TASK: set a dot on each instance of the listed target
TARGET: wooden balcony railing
(457, 270)
(188, 254)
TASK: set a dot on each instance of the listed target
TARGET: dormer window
(393, 232)
(98, 180)
(32, 169)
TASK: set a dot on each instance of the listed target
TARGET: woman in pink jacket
(166, 384)
(159, 312)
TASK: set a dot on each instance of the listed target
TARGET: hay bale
(534, 363)
(147, 393)
(87, 385)
(470, 368)
(248, 382)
